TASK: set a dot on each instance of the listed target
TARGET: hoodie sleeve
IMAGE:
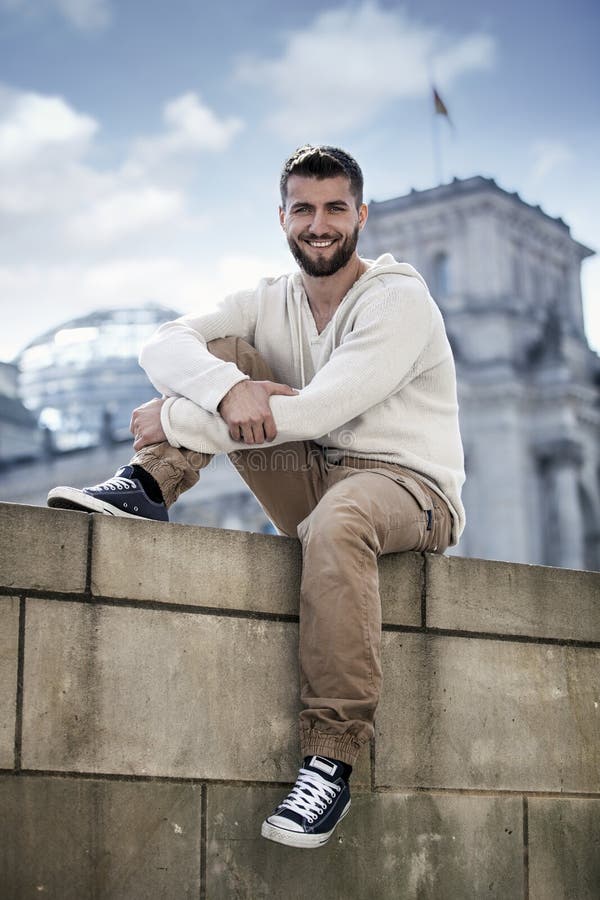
(373, 362)
(176, 358)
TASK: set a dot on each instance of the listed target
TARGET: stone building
(20, 438)
(79, 382)
(507, 279)
(81, 379)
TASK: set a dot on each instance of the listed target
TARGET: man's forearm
(188, 425)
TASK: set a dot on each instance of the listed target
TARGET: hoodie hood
(384, 265)
(387, 265)
(385, 269)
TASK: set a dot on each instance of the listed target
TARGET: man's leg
(362, 514)
(365, 513)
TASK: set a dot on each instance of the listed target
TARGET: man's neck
(325, 294)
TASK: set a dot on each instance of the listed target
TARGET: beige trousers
(345, 515)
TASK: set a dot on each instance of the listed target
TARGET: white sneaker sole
(298, 838)
(73, 498)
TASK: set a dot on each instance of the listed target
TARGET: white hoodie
(378, 382)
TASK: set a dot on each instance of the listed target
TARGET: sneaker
(121, 495)
(317, 802)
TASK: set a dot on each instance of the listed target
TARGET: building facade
(507, 279)
(81, 380)
(20, 438)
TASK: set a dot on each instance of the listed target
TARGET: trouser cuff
(169, 477)
(344, 747)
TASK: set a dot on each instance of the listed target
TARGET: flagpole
(437, 150)
(439, 109)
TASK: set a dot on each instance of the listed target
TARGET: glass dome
(82, 379)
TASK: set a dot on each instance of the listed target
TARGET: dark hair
(322, 161)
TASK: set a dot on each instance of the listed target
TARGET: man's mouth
(320, 244)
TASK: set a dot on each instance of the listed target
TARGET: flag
(439, 105)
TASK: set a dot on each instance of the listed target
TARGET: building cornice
(477, 187)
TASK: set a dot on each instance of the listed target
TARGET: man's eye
(337, 208)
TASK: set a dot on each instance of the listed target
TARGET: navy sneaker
(317, 802)
(121, 495)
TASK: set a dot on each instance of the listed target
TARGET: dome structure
(82, 379)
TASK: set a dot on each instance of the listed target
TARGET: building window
(517, 275)
(441, 278)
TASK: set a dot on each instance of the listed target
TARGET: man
(333, 390)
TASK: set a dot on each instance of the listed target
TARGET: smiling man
(333, 390)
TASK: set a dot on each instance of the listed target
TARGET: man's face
(321, 223)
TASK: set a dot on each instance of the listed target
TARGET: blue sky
(141, 142)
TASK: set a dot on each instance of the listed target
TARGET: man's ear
(363, 215)
(282, 217)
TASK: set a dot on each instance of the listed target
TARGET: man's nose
(320, 222)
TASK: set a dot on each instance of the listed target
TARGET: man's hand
(145, 424)
(246, 410)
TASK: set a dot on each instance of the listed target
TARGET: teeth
(320, 243)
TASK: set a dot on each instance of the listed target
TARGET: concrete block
(213, 567)
(43, 549)
(389, 846)
(151, 692)
(491, 714)
(508, 598)
(68, 839)
(9, 650)
(400, 585)
(197, 566)
(564, 849)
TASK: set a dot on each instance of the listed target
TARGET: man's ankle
(149, 484)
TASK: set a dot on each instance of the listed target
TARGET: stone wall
(148, 700)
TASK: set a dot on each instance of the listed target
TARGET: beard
(321, 267)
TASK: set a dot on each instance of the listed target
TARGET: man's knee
(334, 521)
(243, 355)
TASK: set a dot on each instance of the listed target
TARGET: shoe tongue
(124, 472)
(325, 767)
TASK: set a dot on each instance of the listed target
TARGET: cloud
(352, 62)
(548, 155)
(85, 15)
(88, 15)
(44, 175)
(54, 200)
(191, 127)
(123, 212)
(77, 236)
(591, 301)
(57, 292)
(34, 126)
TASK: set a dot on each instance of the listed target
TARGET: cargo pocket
(411, 486)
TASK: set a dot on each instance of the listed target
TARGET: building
(81, 380)
(20, 438)
(507, 279)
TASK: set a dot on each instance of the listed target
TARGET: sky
(141, 140)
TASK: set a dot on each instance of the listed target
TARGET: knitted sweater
(378, 382)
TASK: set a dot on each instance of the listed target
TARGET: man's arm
(176, 358)
(245, 409)
(371, 364)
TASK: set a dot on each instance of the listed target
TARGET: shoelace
(311, 795)
(116, 484)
